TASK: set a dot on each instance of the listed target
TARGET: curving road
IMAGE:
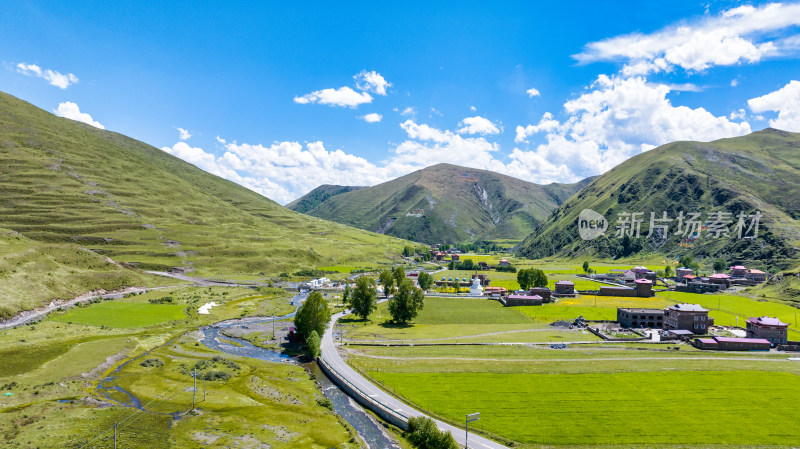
(332, 358)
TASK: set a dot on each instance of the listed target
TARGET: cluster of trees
(423, 434)
(409, 251)
(506, 268)
(407, 299)
(311, 320)
(466, 264)
(627, 247)
(477, 247)
(531, 277)
(688, 262)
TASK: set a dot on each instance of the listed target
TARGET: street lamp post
(471, 417)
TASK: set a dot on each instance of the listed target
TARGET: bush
(216, 375)
(507, 269)
(423, 434)
(325, 402)
(152, 363)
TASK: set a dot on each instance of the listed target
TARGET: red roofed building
(756, 275)
(771, 329)
(503, 263)
(738, 271)
(522, 300)
(689, 317)
(720, 278)
(644, 288)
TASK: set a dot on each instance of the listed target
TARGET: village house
(503, 263)
(483, 266)
(771, 329)
(756, 275)
(455, 257)
(642, 318)
(721, 279)
(732, 344)
(689, 317)
(521, 300)
(681, 272)
(544, 292)
(644, 288)
(738, 271)
(495, 292)
(565, 288)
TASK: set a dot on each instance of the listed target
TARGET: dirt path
(592, 359)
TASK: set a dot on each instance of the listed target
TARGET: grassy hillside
(317, 196)
(457, 204)
(65, 183)
(760, 171)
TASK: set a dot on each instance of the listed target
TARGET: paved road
(332, 358)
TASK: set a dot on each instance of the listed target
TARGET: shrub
(152, 363)
(423, 434)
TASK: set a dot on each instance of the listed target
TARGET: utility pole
(204, 388)
(115, 435)
(194, 389)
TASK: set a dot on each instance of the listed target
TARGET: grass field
(123, 314)
(708, 407)
(462, 320)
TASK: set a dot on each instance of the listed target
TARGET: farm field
(123, 314)
(460, 319)
(632, 408)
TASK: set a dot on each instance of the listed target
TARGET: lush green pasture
(691, 408)
(591, 307)
(123, 314)
(466, 320)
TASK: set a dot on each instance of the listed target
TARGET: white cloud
(372, 82)
(740, 35)
(51, 76)
(616, 119)
(184, 134)
(473, 108)
(734, 82)
(546, 124)
(533, 92)
(343, 96)
(741, 114)
(785, 101)
(372, 118)
(408, 112)
(71, 111)
(477, 125)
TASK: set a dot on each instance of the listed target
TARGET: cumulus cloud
(372, 81)
(533, 92)
(745, 34)
(477, 125)
(372, 118)
(343, 96)
(51, 76)
(183, 134)
(617, 118)
(71, 111)
(785, 101)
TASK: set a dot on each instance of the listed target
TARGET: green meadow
(643, 409)
(123, 314)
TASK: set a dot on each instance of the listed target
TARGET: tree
(685, 261)
(425, 280)
(456, 285)
(423, 434)
(586, 266)
(524, 279)
(364, 297)
(667, 271)
(387, 281)
(399, 275)
(408, 251)
(346, 295)
(313, 315)
(313, 344)
(406, 303)
(720, 265)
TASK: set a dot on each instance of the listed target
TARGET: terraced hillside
(446, 204)
(66, 183)
(757, 172)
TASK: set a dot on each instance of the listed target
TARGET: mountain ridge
(446, 203)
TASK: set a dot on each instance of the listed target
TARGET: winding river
(365, 424)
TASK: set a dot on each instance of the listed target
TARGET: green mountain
(757, 172)
(72, 193)
(317, 196)
(445, 204)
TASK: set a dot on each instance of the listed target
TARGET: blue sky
(281, 98)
